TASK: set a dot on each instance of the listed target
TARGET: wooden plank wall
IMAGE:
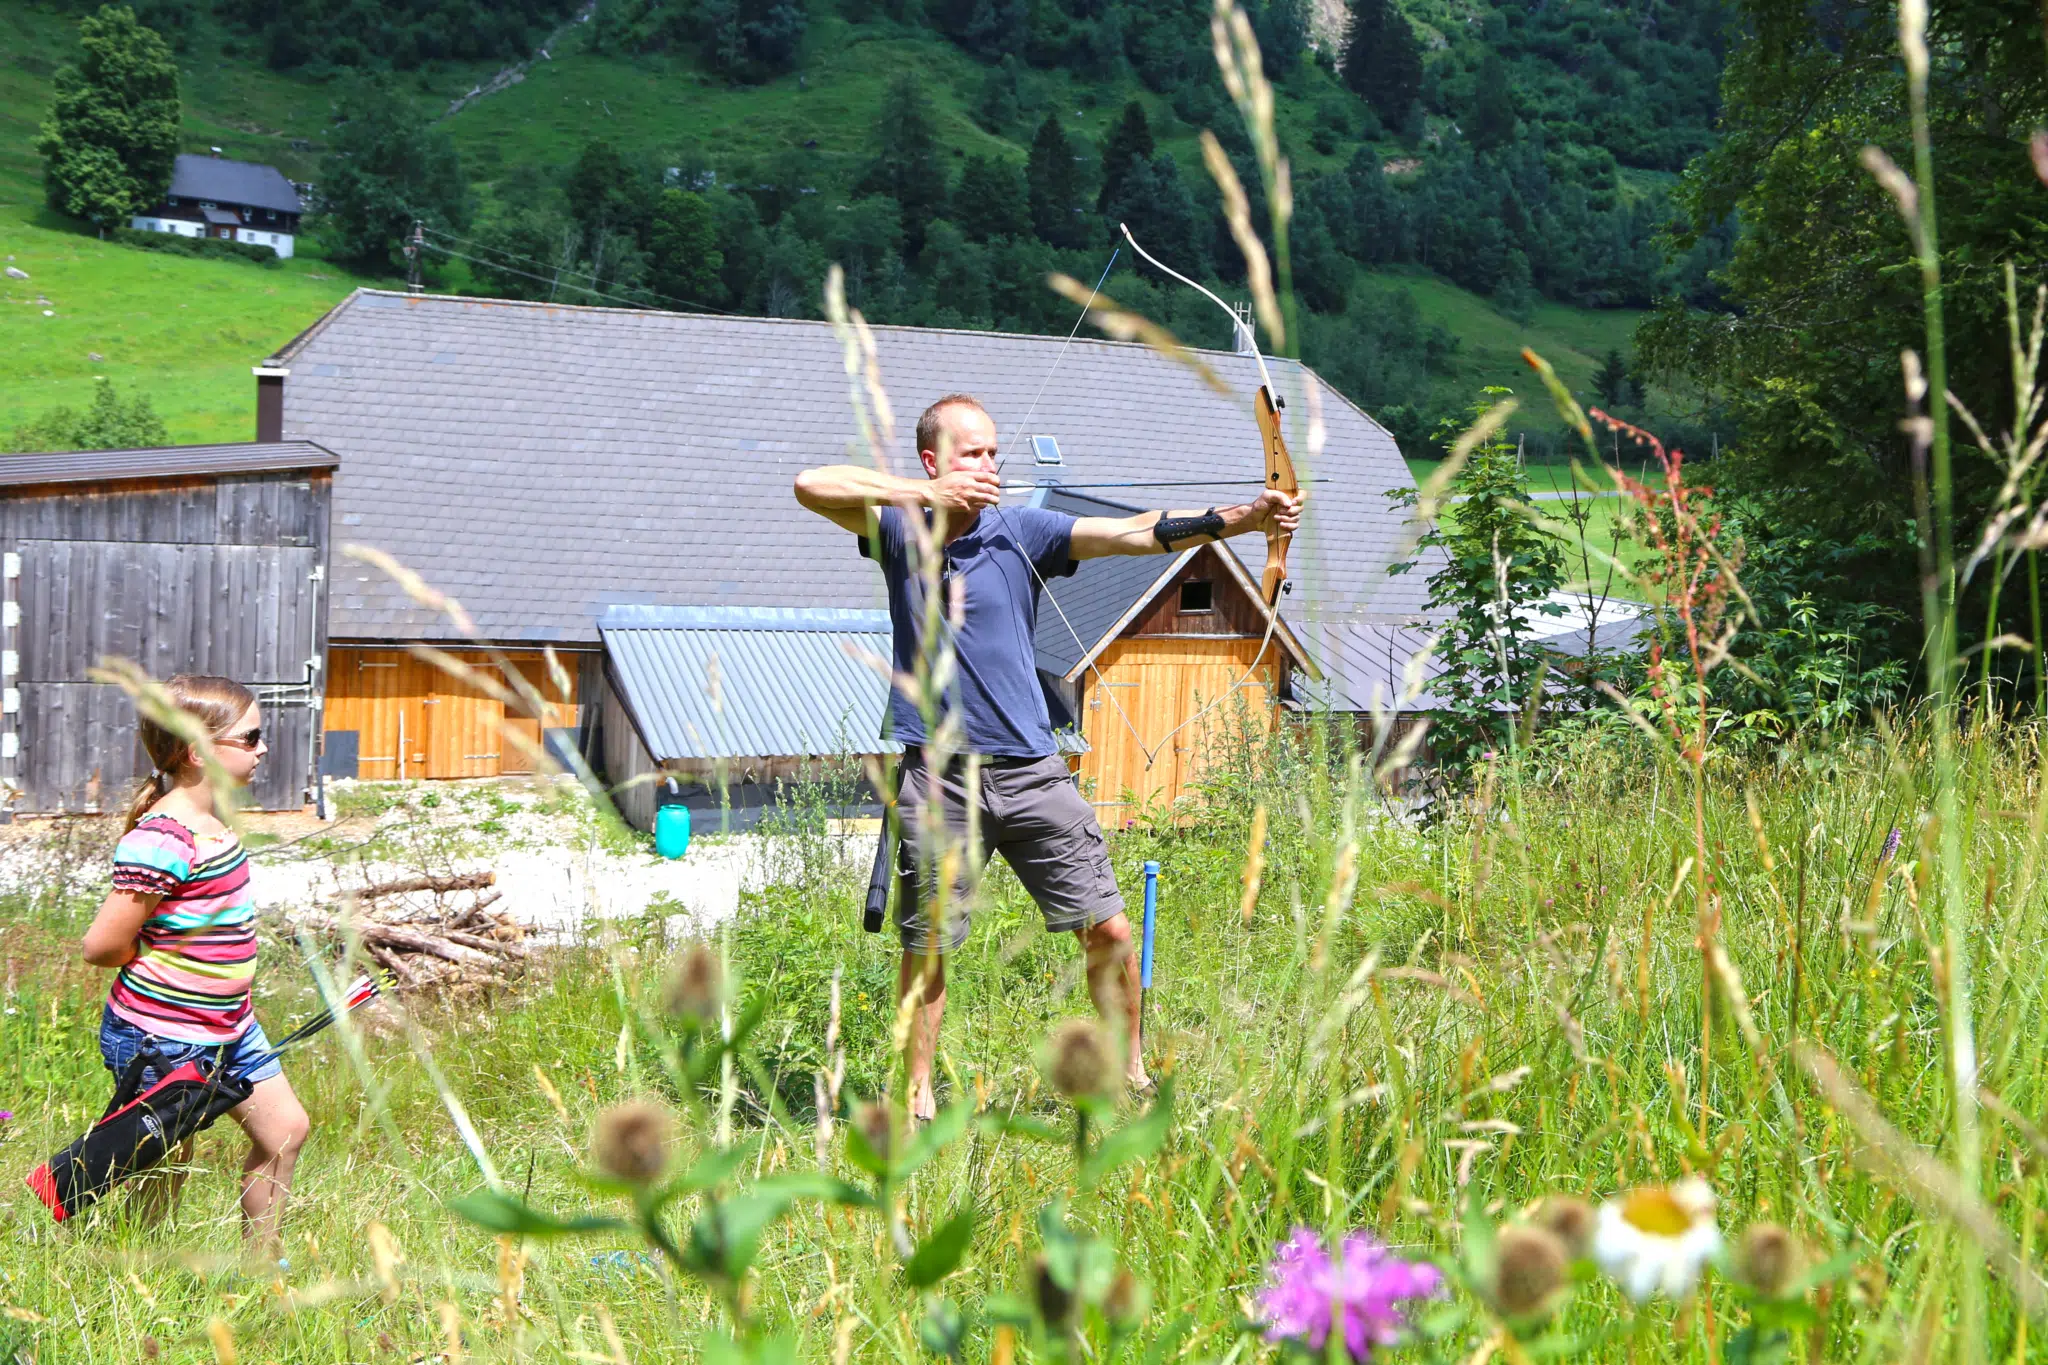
(191, 575)
(450, 727)
(1170, 665)
(1159, 682)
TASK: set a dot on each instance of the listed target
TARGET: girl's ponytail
(216, 703)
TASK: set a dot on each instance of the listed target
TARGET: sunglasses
(248, 739)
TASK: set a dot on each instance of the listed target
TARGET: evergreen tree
(992, 200)
(1611, 382)
(1282, 29)
(1382, 60)
(1001, 101)
(385, 168)
(908, 165)
(1129, 144)
(1154, 201)
(682, 239)
(109, 424)
(607, 194)
(112, 131)
(1056, 189)
(1491, 120)
(749, 40)
(523, 254)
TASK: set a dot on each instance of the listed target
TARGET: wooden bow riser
(1280, 475)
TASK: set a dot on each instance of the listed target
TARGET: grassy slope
(185, 331)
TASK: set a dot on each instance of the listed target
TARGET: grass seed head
(1768, 1259)
(150, 1349)
(696, 988)
(631, 1142)
(1571, 1221)
(1528, 1271)
(1055, 1303)
(1083, 1062)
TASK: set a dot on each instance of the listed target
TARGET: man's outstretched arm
(1153, 533)
(842, 493)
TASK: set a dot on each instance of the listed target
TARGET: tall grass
(1506, 1009)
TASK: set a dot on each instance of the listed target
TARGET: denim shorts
(247, 1056)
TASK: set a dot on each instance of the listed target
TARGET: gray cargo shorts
(1030, 811)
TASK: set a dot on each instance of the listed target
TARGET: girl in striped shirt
(180, 927)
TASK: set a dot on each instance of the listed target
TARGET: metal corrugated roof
(750, 682)
(163, 462)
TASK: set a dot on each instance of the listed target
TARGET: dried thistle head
(151, 1349)
(1125, 1302)
(871, 1118)
(1768, 1259)
(1529, 1266)
(1081, 1060)
(696, 988)
(1055, 1302)
(631, 1141)
(1571, 1221)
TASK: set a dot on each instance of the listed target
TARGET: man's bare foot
(1135, 1078)
(924, 1106)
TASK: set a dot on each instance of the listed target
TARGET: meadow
(1417, 1031)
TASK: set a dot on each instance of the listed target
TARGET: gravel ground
(557, 872)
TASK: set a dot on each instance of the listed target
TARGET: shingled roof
(249, 183)
(543, 463)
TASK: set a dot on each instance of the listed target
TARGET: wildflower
(1528, 1270)
(1891, 846)
(1768, 1259)
(1083, 1062)
(1656, 1239)
(1569, 1220)
(631, 1142)
(1361, 1291)
(696, 988)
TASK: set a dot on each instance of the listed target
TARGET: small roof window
(1197, 594)
(1045, 450)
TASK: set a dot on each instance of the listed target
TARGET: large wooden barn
(200, 559)
(546, 466)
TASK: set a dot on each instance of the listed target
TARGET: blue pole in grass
(1151, 916)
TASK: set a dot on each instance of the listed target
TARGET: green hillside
(1407, 339)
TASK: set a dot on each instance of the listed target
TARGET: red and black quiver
(139, 1129)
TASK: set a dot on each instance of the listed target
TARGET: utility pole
(413, 246)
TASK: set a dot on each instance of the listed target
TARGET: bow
(1266, 406)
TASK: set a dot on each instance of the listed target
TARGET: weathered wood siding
(629, 770)
(220, 574)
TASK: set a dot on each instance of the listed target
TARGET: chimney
(269, 402)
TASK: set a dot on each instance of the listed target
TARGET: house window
(1045, 450)
(1197, 594)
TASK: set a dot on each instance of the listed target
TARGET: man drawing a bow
(1026, 804)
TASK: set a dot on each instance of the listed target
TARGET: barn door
(1157, 683)
(246, 612)
(411, 719)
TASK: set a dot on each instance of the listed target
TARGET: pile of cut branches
(431, 931)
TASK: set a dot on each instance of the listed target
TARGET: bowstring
(1044, 588)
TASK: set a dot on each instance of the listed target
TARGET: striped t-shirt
(197, 956)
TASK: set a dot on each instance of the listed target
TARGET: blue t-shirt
(997, 693)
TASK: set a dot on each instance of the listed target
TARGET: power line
(555, 276)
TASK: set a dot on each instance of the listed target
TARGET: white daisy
(1657, 1239)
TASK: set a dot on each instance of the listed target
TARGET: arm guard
(1169, 529)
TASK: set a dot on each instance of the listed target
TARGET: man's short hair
(928, 425)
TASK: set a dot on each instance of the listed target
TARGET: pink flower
(1362, 1290)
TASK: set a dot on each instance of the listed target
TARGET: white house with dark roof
(236, 201)
(548, 465)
